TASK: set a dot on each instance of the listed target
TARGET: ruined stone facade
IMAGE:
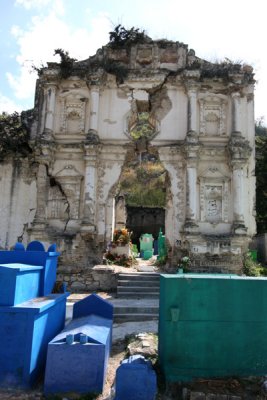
(202, 117)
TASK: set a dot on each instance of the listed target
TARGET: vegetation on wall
(253, 268)
(66, 63)
(142, 126)
(122, 37)
(144, 184)
(115, 68)
(261, 177)
(14, 134)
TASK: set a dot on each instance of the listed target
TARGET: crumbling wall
(61, 187)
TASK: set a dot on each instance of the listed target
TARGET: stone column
(238, 193)
(120, 212)
(238, 198)
(192, 195)
(50, 107)
(240, 152)
(90, 182)
(37, 230)
(236, 119)
(192, 149)
(41, 193)
(192, 109)
(94, 107)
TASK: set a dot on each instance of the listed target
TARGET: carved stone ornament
(73, 118)
(192, 145)
(72, 105)
(214, 196)
(239, 147)
(92, 137)
(212, 116)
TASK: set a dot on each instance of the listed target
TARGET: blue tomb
(30, 316)
(17, 265)
(77, 358)
(19, 282)
(135, 379)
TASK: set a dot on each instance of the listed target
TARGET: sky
(30, 31)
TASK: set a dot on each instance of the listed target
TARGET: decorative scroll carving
(73, 118)
(72, 104)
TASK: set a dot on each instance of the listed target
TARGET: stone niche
(213, 115)
(73, 107)
(214, 196)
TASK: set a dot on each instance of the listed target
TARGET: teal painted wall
(212, 326)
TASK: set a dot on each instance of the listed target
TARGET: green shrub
(252, 268)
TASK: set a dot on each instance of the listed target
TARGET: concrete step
(140, 276)
(138, 295)
(136, 310)
(143, 283)
(138, 289)
(127, 317)
(138, 285)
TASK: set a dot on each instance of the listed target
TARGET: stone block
(144, 55)
(77, 286)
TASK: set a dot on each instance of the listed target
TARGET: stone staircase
(138, 285)
(137, 297)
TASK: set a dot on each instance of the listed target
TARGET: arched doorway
(141, 196)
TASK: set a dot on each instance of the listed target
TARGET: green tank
(212, 326)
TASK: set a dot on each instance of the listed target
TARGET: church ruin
(201, 116)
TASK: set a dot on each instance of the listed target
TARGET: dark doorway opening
(145, 220)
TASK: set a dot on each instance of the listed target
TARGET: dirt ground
(118, 354)
(251, 388)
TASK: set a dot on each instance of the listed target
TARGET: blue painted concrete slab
(75, 367)
(25, 330)
(136, 379)
(18, 283)
(79, 367)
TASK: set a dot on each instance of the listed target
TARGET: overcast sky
(30, 31)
